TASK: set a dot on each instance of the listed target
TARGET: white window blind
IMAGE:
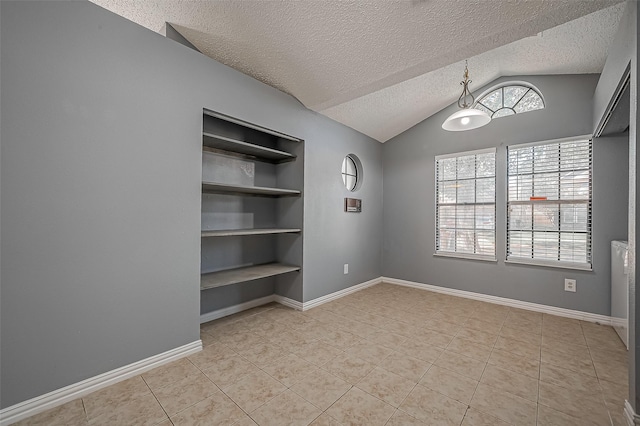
(549, 203)
(466, 204)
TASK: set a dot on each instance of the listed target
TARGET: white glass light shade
(466, 119)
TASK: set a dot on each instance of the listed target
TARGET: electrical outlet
(346, 268)
(569, 285)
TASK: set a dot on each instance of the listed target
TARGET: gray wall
(409, 198)
(622, 53)
(100, 192)
(332, 236)
(634, 185)
(289, 214)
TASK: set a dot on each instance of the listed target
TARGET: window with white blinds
(466, 204)
(549, 204)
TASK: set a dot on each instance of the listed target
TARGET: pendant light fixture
(467, 118)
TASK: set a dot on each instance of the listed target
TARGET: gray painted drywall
(223, 297)
(618, 121)
(623, 54)
(100, 192)
(173, 34)
(409, 200)
(634, 186)
(98, 207)
(618, 60)
(333, 237)
(289, 214)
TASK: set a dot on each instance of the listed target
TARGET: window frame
(556, 264)
(355, 175)
(469, 256)
(502, 86)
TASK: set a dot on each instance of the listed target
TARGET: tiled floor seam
(256, 408)
(539, 378)
(161, 406)
(334, 402)
(301, 396)
(489, 414)
(407, 395)
(538, 394)
(84, 408)
(602, 394)
(186, 408)
(478, 384)
(484, 369)
(465, 413)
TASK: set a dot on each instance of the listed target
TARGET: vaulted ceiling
(382, 66)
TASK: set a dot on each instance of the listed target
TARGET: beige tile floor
(386, 355)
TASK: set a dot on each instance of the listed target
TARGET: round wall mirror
(351, 172)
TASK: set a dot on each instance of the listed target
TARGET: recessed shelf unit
(252, 190)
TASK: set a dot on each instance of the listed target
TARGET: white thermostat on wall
(352, 205)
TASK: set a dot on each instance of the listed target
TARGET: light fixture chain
(462, 100)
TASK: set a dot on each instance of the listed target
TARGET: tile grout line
(486, 364)
(579, 373)
(289, 387)
(84, 409)
(186, 408)
(334, 402)
(598, 378)
(156, 398)
(377, 365)
(493, 348)
(431, 366)
(218, 387)
(403, 399)
(539, 371)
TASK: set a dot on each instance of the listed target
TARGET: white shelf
(223, 188)
(239, 275)
(254, 231)
(236, 146)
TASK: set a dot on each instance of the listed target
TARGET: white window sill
(466, 256)
(552, 264)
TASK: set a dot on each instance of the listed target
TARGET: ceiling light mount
(467, 118)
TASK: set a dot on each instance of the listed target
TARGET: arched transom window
(509, 100)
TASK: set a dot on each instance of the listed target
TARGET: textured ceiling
(577, 47)
(381, 66)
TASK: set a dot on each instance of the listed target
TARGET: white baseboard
(619, 322)
(552, 310)
(291, 303)
(214, 315)
(303, 306)
(630, 415)
(58, 397)
(338, 294)
(294, 304)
